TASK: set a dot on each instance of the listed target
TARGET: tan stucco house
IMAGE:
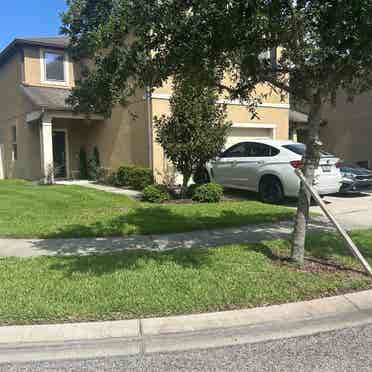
(38, 130)
(347, 129)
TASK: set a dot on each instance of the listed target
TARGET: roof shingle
(48, 98)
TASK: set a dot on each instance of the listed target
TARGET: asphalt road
(345, 350)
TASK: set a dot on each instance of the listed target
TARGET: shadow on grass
(132, 261)
(327, 249)
(163, 220)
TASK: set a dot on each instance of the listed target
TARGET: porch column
(46, 147)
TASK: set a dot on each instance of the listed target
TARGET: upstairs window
(54, 67)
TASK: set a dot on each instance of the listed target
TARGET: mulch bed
(317, 265)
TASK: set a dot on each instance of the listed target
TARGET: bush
(83, 164)
(103, 175)
(94, 164)
(136, 177)
(155, 194)
(191, 190)
(208, 193)
(112, 179)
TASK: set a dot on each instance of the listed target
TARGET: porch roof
(298, 117)
(48, 98)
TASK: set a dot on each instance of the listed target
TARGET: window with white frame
(14, 143)
(54, 67)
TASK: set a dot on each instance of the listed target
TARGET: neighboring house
(39, 131)
(347, 131)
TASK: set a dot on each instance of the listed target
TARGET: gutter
(150, 128)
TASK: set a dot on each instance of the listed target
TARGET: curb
(354, 305)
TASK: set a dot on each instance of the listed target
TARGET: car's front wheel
(201, 176)
(271, 190)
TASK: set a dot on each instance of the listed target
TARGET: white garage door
(245, 134)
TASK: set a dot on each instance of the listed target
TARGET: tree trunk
(311, 162)
(185, 182)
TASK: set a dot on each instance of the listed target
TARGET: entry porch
(63, 135)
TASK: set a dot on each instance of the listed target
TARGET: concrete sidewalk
(163, 242)
(110, 189)
(59, 341)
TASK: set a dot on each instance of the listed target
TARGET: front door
(59, 154)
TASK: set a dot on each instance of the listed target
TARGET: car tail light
(296, 164)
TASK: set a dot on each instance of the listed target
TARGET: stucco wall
(33, 66)
(348, 132)
(121, 139)
(13, 109)
(124, 137)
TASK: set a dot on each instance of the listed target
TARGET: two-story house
(39, 131)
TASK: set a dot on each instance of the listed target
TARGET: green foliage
(208, 193)
(191, 189)
(135, 177)
(94, 164)
(113, 179)
(83, 164)
(326, 45)
(103, 175)
(196, 130)
(155, 194)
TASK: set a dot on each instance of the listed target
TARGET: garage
(243, 132)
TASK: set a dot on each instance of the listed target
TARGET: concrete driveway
(352, 211)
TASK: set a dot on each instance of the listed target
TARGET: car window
(236, 151)
(297, 148)
(261, 150)
(250, 149)
(300, 148)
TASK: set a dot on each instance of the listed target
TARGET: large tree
(324, 46)
(196, 129)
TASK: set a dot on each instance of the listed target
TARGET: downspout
(150, 128)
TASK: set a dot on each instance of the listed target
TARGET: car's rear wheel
(271, 190)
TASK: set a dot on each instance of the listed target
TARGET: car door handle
(261, 162)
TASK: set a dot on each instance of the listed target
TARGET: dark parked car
(355, 178)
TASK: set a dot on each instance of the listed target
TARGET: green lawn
(142, 284)
(330, 247)
(27, 210)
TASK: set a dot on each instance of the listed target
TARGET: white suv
(267, 167)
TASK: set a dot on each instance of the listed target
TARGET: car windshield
(300, 148)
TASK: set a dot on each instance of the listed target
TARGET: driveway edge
(355, 306)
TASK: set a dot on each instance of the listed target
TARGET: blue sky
(29, 18)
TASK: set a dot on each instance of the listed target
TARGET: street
(345, 350)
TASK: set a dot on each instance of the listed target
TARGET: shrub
(94, 164)
(136, 177)
(155, 194)
(191, 190)
(112, 179)
(83, 164)
(208, 193)
(103, 175)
